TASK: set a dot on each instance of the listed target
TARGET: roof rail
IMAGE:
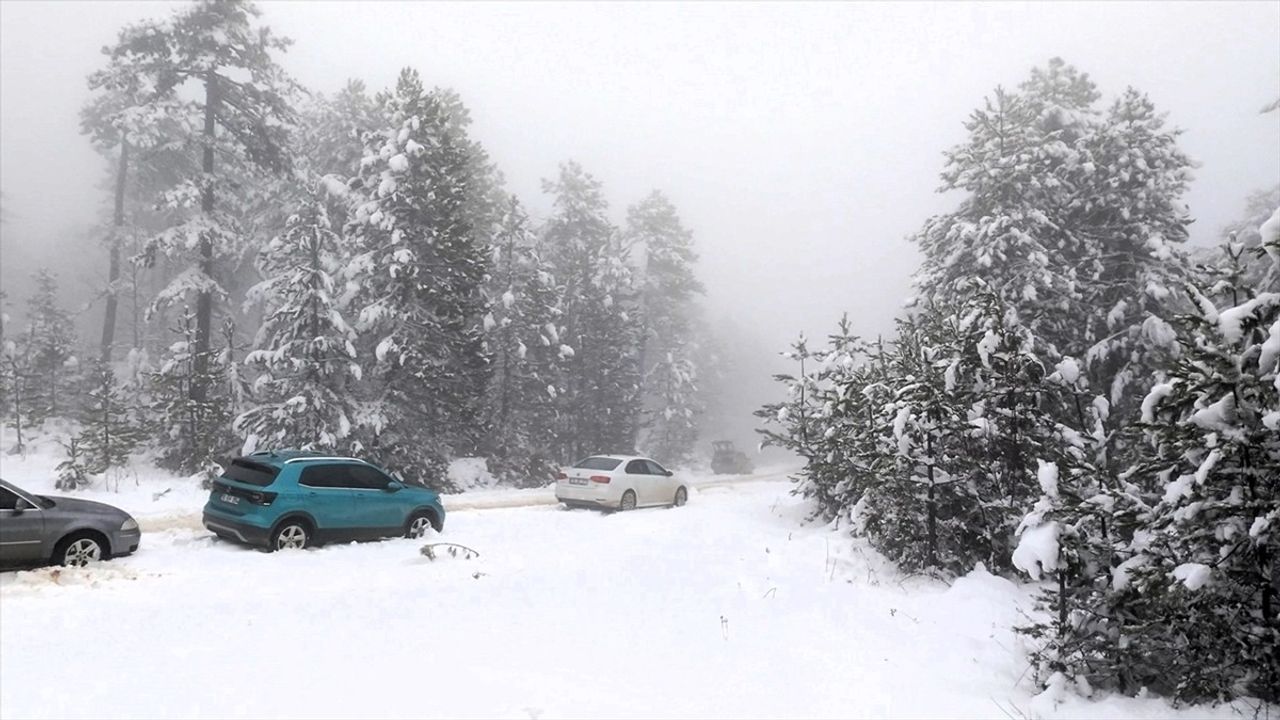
(309, 458)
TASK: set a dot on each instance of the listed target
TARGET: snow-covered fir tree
(825, 424)
(417, 276)
(132, 125)
(668, 288)
(50, 351)
(598, 335)
(1179, 581)
(304, 351)
(72, 472)
(18, 381)
(520, 337)
(192, 434)
(1070, 210)
(215, 50)
(109, 428)
(1133, 218)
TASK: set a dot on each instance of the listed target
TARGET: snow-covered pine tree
(912, 509)
(19, 383)
(599, 331)
(1021, 168)
(50, 348)
(1131, 211)
(520, 330)
(72, 473)
(1188, 607)
(418, 271)
(1205, 560)
(214, 49)
(304, 351)
(329, 138)
(1260, 208)
(826, 419)
(797, 414)
(127, 121)
(674, 406)
(192, 434)
(109, 431)
(668, 289)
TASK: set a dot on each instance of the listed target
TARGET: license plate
(230, 499)
(577, 481)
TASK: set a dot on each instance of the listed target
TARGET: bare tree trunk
(109, 320)
(204, 300)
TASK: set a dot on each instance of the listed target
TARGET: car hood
(85, 507)
(418, 491)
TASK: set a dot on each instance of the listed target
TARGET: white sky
(801, 142)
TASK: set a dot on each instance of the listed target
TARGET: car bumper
(125, 542)
(582, 498)
(235, 530)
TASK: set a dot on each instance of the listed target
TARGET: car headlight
(129, 524)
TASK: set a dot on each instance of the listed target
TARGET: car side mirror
(670, 473)
(394, 486)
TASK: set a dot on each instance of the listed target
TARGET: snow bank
(471, 474)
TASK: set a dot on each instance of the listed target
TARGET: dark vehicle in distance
(39, 530)
(727, 460)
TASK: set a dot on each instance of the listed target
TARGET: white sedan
(622, 482)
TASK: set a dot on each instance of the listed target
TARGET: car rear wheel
(682, 497)
(79, 550)
(628, 501)
(291, 535)
(418, 526)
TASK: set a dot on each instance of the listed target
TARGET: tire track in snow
(475, 500)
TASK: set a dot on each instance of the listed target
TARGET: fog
(801, 143)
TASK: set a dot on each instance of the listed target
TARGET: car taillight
(600, 478)
(262, 498)
(561, 476)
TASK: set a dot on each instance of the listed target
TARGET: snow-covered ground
(730, 606)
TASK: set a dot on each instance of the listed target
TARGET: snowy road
(730, 606)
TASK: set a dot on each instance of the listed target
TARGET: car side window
(655, 468)
(8, 499)
(325, 476)
(637, 467)
(367, 478)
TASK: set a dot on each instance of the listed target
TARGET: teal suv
(292, 499)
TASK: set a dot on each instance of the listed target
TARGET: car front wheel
(79, 550)
(418, 526)
(682, 497)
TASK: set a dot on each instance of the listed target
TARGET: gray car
(36, 529)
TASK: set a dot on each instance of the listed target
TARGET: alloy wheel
(82, 552)
(419, 526)
(293, 537)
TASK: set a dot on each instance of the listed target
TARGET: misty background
(800, 143)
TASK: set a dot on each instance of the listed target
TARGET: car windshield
(598, 463)
(251, 473)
